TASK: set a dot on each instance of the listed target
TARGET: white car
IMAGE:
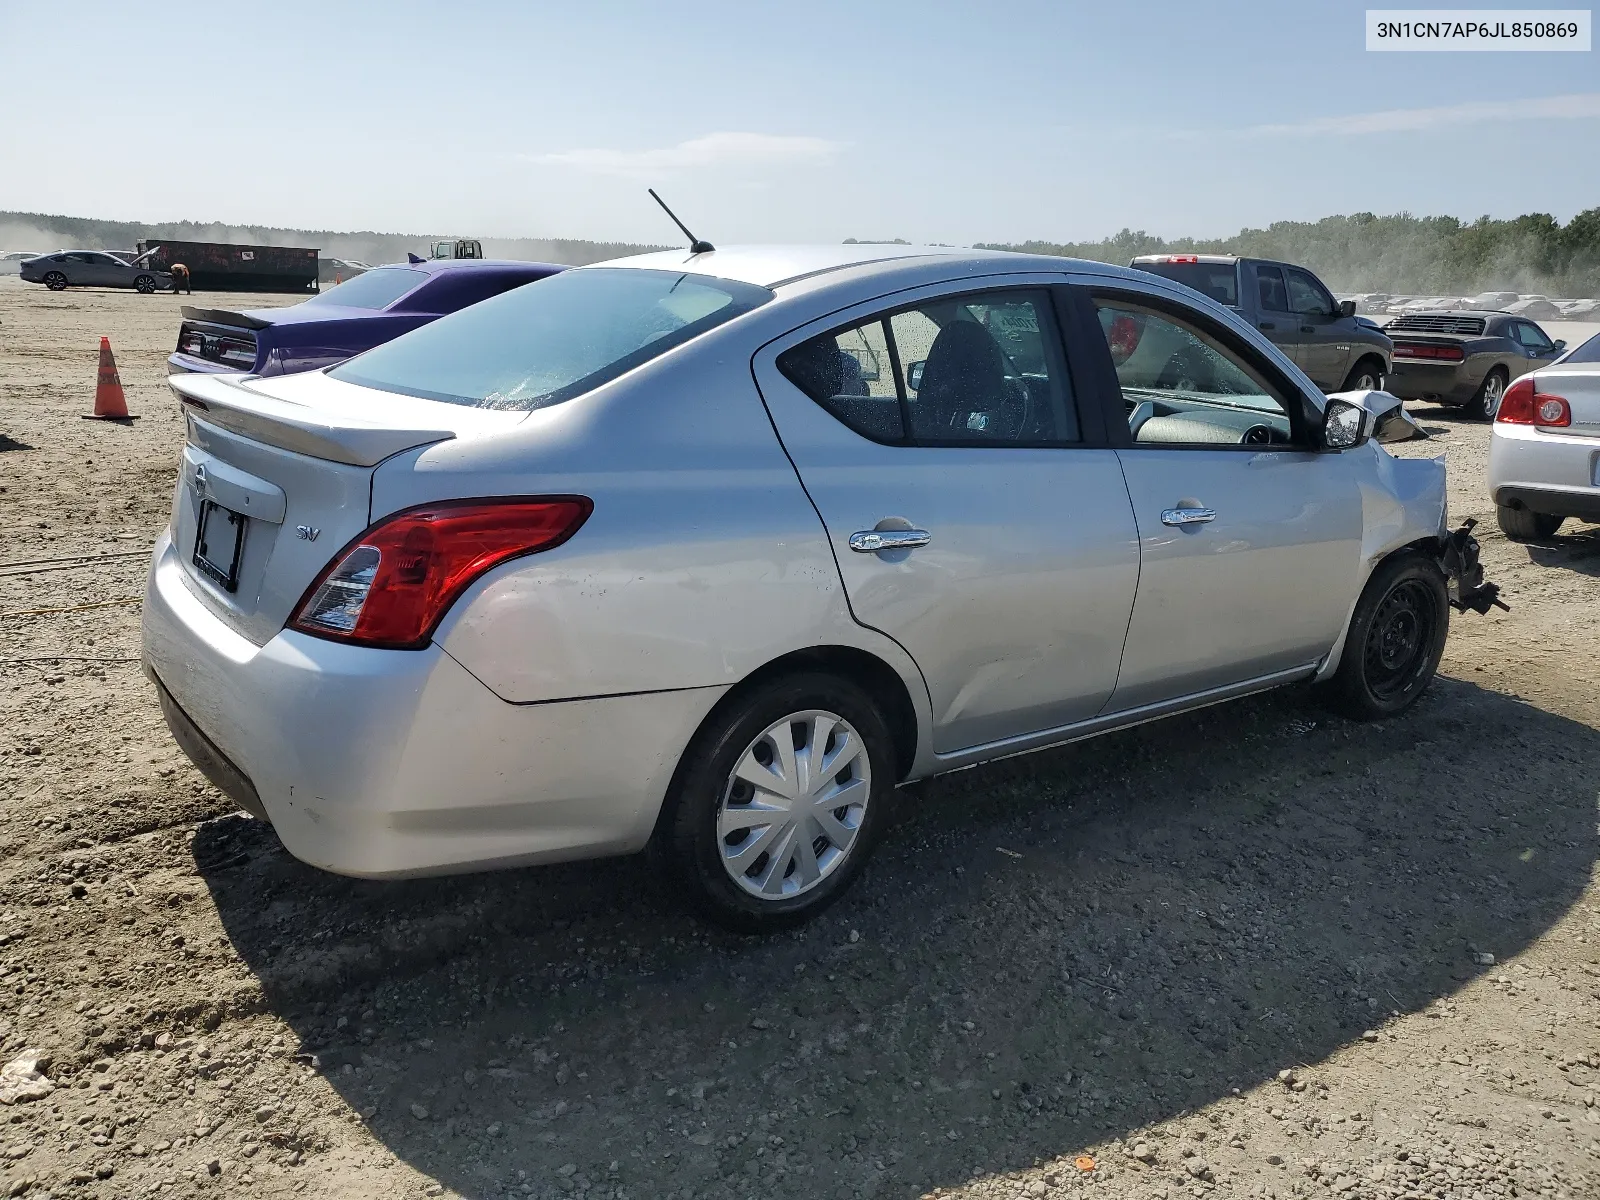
(1544, 452)
(11, 260)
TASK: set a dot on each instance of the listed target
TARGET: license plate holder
(219, 544)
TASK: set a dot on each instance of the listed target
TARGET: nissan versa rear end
(707, 553)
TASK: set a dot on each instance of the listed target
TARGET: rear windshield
(1217, 280)
(374, 289)
(1588, 352)
(551, 340)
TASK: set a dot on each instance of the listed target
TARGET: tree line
(1402, 253)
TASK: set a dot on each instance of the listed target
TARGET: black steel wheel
(1396, 638)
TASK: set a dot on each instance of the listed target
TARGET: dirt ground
(1246, 952)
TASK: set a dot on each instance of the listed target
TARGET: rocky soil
(1258, 951)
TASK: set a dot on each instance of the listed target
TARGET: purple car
(346, 319)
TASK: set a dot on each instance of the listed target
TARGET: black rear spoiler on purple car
(222, 316)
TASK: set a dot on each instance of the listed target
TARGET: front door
(1274, 317)
(940, 441)
(1324, 346)
(1249, 540)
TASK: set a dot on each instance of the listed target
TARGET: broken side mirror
(1344, 425)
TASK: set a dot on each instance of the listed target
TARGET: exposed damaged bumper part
(1463, 572)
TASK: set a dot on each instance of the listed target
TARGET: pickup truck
(1340, 351)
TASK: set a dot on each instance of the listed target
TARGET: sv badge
(307, 533)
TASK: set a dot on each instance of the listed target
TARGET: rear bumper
(1431, 383)
(1546, 472)
(381, 763)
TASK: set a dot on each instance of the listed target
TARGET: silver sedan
(709, 552)
(1544, 450)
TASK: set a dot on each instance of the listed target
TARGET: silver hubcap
(793, 807)
(1493, 389)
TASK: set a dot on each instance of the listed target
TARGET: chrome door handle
(1187, 516)
(871, 541)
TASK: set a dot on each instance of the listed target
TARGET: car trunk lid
(276, 479)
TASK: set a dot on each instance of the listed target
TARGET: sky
(931, 121)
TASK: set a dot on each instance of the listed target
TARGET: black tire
(1365, 376)
(1484, 404)
(1395, 641)
(56, 281)
(689, 844)
(145, 285)
(1522, 525)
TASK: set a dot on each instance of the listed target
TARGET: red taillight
(391, 586)
(1524, 404)
(1177, 258)
(1427, 350)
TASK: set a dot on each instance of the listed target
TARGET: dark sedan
(357, 315)
(94, 268)
(1465, 358)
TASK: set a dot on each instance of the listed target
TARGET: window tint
(1274, 297)
(1181, 386)
(1306, 295)
(372, 289)
(1532, 336)
(1588, 352)
(982, 369)
(849, 373)
(552, 340)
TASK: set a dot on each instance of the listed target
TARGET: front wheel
(56, 281)
(1521, 525)
(1395, 641)
(778, 803)
(1366, 376)
(145, 285)
(1486, 403)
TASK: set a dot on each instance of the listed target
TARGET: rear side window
(1270, 290)
(552, 340)
(982, 368)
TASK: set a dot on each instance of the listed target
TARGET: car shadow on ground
(1044, 953)
(1575, 547)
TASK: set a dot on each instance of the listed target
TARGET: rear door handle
(1187, 516)
(1308, 329)
(870, 541)
(1266, 325)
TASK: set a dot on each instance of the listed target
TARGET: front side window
(1306, 296)
(539, 345)
(1532, 337)
(976, 369)
(1182, 386)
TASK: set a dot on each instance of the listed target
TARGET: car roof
(438, 266)
(775, 266)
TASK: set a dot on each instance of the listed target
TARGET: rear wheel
(56, 281)
(1365, 376)
(1396, 639)
(1486, 403)
(1521, 525)
(145, 284)
(778, 803)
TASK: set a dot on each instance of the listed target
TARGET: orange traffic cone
(109, 402)
(337, 279)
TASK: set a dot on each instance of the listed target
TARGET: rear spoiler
(222, 316)
(235, 406)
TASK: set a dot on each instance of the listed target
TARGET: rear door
(975, 518)
(1250, 540)
(1274, 317)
